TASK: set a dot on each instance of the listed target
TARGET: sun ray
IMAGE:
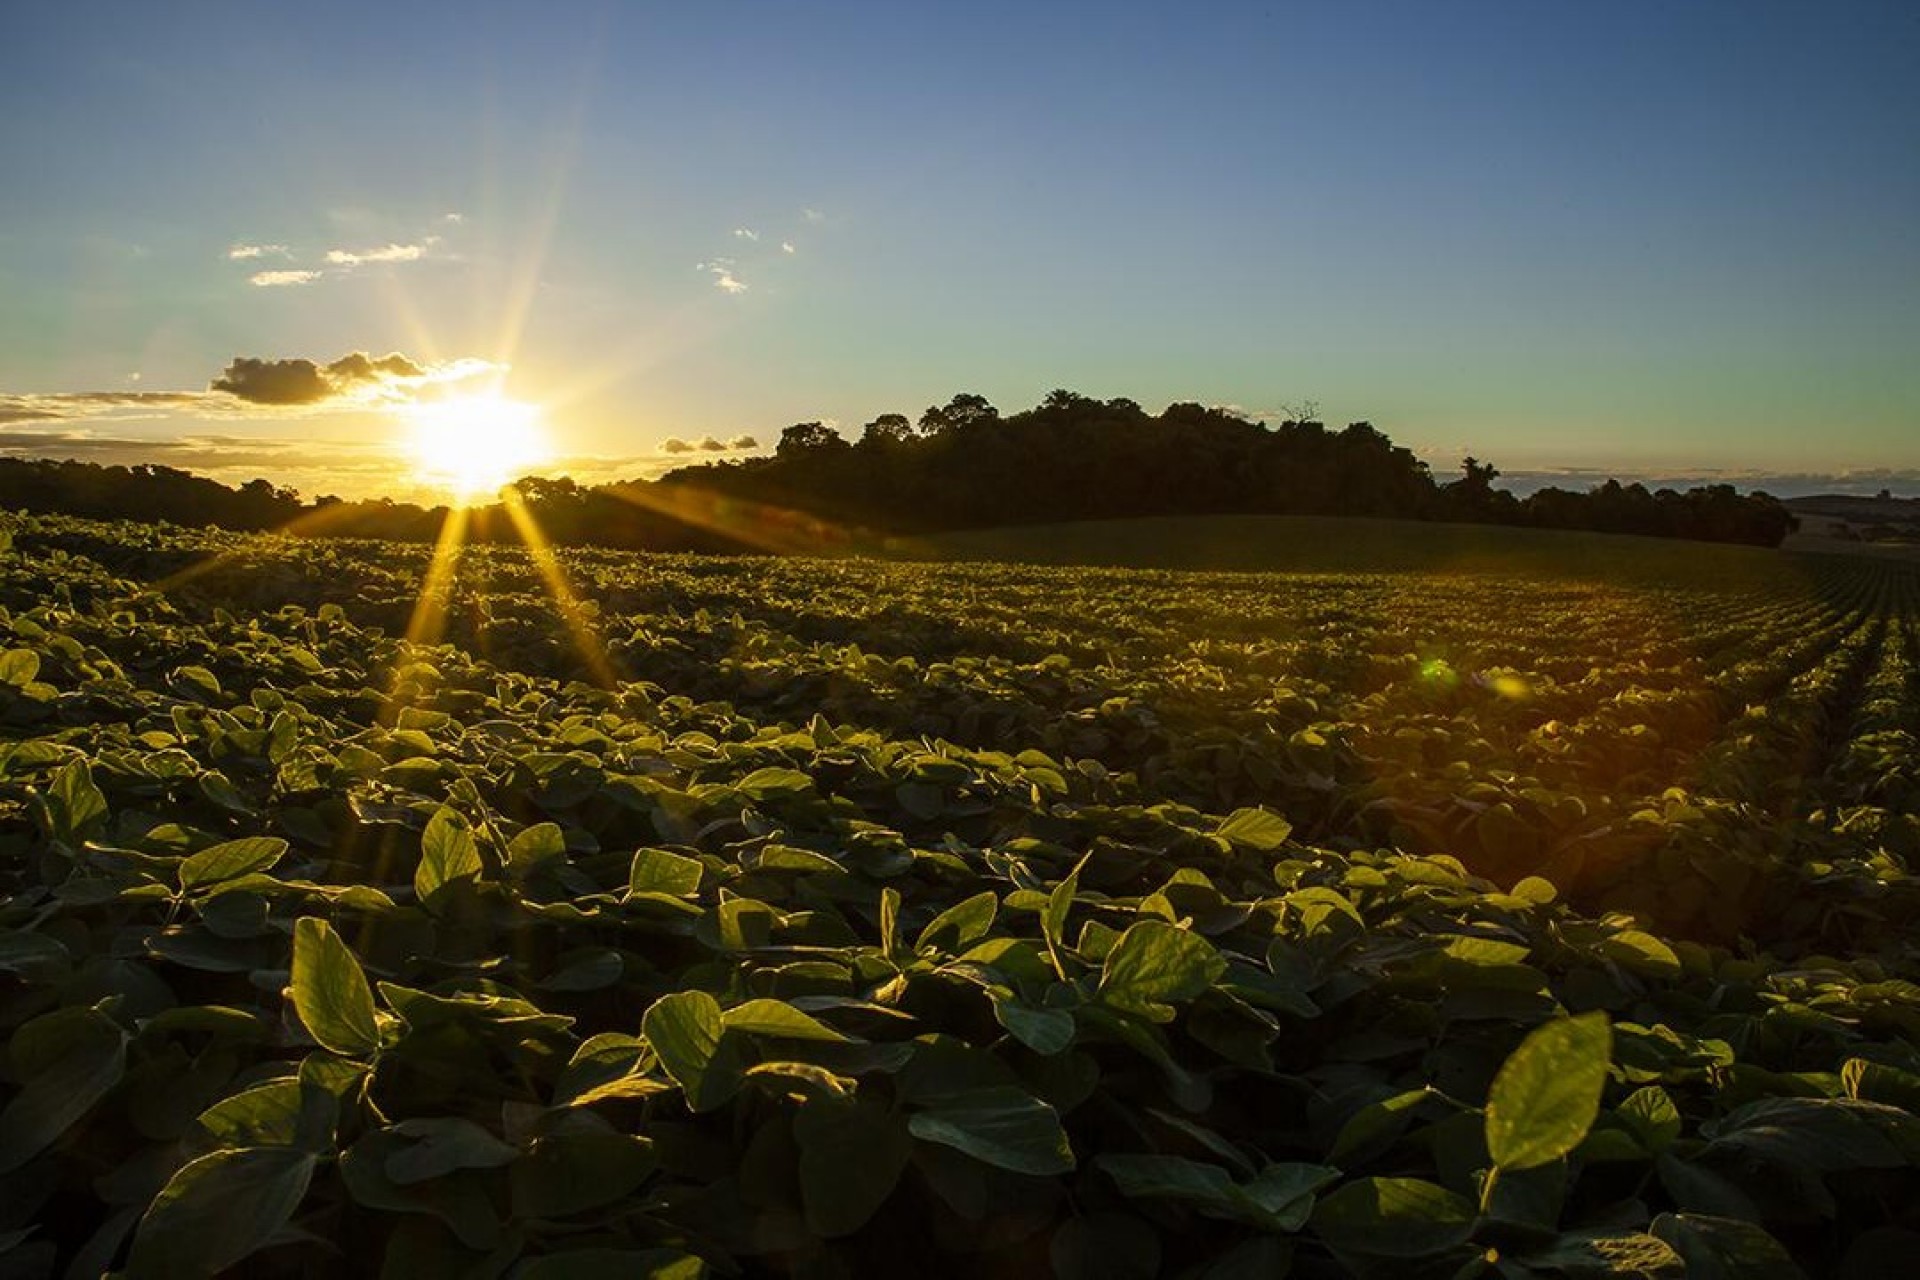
(585, 638)
(759, 525)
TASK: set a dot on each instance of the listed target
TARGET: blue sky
(1648, 239)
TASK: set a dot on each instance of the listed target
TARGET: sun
(472, 445)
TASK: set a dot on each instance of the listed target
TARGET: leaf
(960, 925)
(1547, 1093)
(1278, 1200)
(568, 1173)
(330, 992)
(1256, 829)
(1650, 1115)
(778, 1018)
(1045, 1031)
(75, 805)
(774, 784)
(448, 855)
(686, 1030)
(71, 1059)
(1001, 1125)
(230, 861)
(1053, 919)
(1393, 1218)
(18, 667)
(541, 842)
(851, 1157)
(1105, 1246)
(1725, 1248)
(1156, 964)
(657, 871)
(218, 1209)
(439, 1145)
(1641, 953)
(612, 1264)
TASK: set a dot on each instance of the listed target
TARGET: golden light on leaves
(472, 445)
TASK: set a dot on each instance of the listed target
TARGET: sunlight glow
(472, 445)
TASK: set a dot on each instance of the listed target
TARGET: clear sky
(1645, 238)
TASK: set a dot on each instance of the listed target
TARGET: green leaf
(851, 1158)
(70, 1059)
(1104, 1246)
(75, 806)
(657, 871)
(1045, 1031)
(218, 1209)
(570, 1173)
(1650, 1115)
(1001, 1125)
(1725, 1248)
(612, 1264)
(1393, 1218)
(778, 1018)
(1256, 829)
(330, 992)
(439, 1145)
(230, 861)
(448, 855)
(1547, 1092)
(18, 667)
(774, 784)
(541, 842)
(686, 1030)
(960, 925)
(1156, 964)
(1641, 953)
(1279, 1199)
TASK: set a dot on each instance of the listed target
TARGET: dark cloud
(79, 404)
(743, 442)
(674, 444)
(707, 444)
(274, 381)
(300, 381)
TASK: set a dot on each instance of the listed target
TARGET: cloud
(281, 279)
(61, 406)
(813, 215)
(707, 444)
(746, 233)
(241, 252)
(386, 253)
(786, 246)
(721, 269)
(355, 376)
(453, 218)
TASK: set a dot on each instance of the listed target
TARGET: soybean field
(551, 914)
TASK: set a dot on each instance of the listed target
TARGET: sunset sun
(473, 445)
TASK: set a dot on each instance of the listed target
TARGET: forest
(959, 466)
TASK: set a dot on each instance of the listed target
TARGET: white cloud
(786, 246)
(721, 269)
(280, 279)
(241, 252)
(813, 215)
(746, 233)
(454, 218)
(387, 253)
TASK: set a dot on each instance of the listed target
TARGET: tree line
(964, 465)
(960, 465)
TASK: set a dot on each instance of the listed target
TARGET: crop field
(581, 914)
